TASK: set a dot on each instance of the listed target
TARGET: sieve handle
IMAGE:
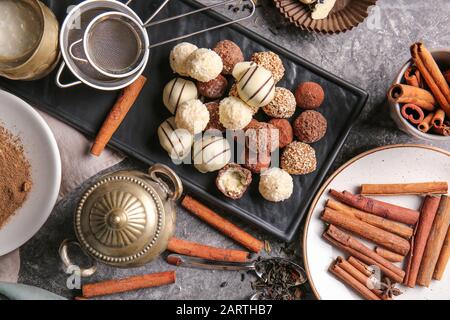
(58, 78)
(72, 55)
(148, 23)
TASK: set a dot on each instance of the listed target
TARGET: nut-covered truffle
(233, 180)
(255, 86)
(234, 114)
(179, 55)
(298, 158)
(214, 122)
(204, 65)
(309, 95)
(211, 153)
(213, 89)
(233, 91)
(256, 161)
(283, 104)
(310, 126)
(192, 115)
(230, 53)
(285, 131)
(271, 61)
(177, 142)
(261, 136)
(178, 91)
(276, 185)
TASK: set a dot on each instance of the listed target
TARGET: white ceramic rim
(53, 193)
(327, 183)
(417, 133)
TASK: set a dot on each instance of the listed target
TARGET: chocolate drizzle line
(207, 145)
(171, 89)
(260, 89)
(251, 76)
(175, 132)
(179, 97)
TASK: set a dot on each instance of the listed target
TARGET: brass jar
(126, 218)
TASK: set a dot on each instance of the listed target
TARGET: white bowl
(42, 152)
(442, 57)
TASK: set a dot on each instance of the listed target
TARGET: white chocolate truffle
(177, 142)
(211, 153)
(178, 91)
(241, 67)
(179, 55)
(193, 116)
(234, 114)
(256, 86)
(204, 65)
(276, 185)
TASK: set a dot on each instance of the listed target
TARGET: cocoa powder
(15, 176)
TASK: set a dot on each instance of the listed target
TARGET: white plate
(390, 164)
(42, 152)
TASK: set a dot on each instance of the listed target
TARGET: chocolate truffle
(310, 126)
(271, 61)
(211, 153)
(234, 114)
(214, 122)
(213, 89)
(255, 86)
(177, 142)
(230, 53)
(285, 131)
(204, 65)
(261, 136)
(192, 115)
(298, 158)
(179, 55)
(256, 161)
(309, 95)
(276, 185)
(233, 91)
(178, 91)
(233, 180)
(283, 104)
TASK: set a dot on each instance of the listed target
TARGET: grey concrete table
(368, 56)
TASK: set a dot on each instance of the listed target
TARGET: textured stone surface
(368, 56)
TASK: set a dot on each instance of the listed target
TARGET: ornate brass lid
(119, 219)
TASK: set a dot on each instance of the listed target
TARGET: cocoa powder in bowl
(15, 175)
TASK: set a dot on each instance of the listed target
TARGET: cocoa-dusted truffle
(213, 89)
(285, 131)
(309, 95)
(230, 53)
(233, 180)
(310, 126)
(257, 162)
(276, 185)
(271, 61)
(214, 122)
(298, 158)
(261, 136)
(283, 104)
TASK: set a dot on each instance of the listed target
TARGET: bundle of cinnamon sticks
(424, 96)
(419, 238)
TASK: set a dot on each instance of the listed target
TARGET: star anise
(389, 289)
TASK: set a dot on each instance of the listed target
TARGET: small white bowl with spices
(29, 153)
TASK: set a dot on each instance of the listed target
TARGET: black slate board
(85, 109)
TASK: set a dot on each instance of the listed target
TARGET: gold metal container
(126, 218)
(45, 55)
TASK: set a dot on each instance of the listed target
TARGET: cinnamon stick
(342, 240)
(428, 212)
(444, 256)
(435, 187)
(118, 112)
(426, 124)
(352, 282)
(433, 77)
(128, 284)
(435, 242)
(389, 255)
(361, 266)
(394, 227)
(367, 231)
(379, 208)
(402, 93)
(221, 224)
(412, 77)
(412, 113)
(194, 249)
(444, 130)
(438, 118)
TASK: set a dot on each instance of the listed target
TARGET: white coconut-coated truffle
(211, 153)
(234, 114)
(192, 115)
(179, 55)
(178, 91)
(204, 65)
(177, 142)
(276, 185)
(256, 86)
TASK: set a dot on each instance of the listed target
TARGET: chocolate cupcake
(310, 126)
(285, 131)
(213, 89)
(233, 180)
(214, 122)
(230, 53)
(309, 95)
(298, 158)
